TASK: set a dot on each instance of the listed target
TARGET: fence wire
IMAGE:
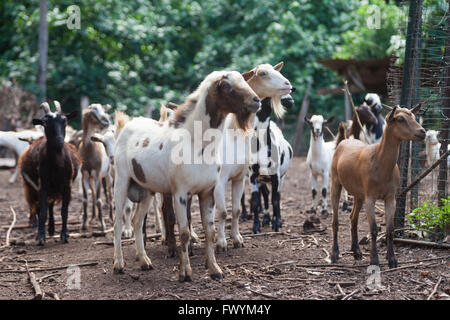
(430, 83)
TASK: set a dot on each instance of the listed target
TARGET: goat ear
(307, 120)
(248, 75)
(172, 106)
(37, 122)
(71, 115)
(416, 109)
(392, 113)
(106, 107)
(329, 120)
(278, 66)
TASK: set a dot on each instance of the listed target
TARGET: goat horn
(57, 106)
(45, 107)
(388, 108)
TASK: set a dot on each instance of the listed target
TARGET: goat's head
(267, 81)
(54, 124)
(96, 116)
(374, 102)
(405, 124)
(317, 123)
(431, 137)
(366, 116)
(230, 93)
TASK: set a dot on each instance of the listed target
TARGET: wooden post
(442, 184)
(408, 95)
(301, 121)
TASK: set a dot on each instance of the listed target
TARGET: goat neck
(387, 152)
(317, 144)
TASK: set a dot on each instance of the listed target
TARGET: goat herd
(137, 161)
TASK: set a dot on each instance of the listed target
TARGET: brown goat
(96, 163)
(49, 166)
(369, 173)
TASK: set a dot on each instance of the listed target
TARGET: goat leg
(51, 221)
(42, 217)
(169, 221)
(276, 221)
(244, 214)
(64, 214)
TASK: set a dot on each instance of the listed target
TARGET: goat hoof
(146, 266)
(185, 278)
(64, 238)
(217, 276)
(334, 256)
(118, 270)
(256, 229)
(172, 252)
(357, 254)
(393, 263)
(324, 214)
(127, 233)
(266, 219)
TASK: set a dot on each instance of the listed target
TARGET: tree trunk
(301, 121)
(43, 51)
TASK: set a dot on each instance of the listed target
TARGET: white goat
(147, 160)
(320, 155)
(12, 140)
(432, 147)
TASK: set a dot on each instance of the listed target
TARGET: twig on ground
(347, 297)
(8, 233)
(422, 243)
(32, 278)
(435, 288)
(262, 294)
(87, 264)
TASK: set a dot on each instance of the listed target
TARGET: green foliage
(431, 217)
(134, 53)
(375, 32)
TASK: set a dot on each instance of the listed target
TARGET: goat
(147, 161)
(432, 148)
(15, 141)
(369, 173)
(375, 131)
(48, 167)
(270, 86)
(266, 81)
(95, 165)
(367, 119)
(268, 164)
(319, 158)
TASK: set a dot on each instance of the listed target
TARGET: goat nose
(287, 82)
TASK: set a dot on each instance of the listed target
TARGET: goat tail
(342, 133)
(121, 120)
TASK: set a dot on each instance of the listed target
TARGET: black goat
(49, 166)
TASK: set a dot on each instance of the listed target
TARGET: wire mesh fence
(422, 77)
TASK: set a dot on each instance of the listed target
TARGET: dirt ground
(287, 265)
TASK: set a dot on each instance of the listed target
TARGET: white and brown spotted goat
(147, 161)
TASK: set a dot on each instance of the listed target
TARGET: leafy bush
(432, 218)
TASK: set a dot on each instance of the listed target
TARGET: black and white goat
(269, 163)
(375, 132)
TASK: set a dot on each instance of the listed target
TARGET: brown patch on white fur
(121, 120)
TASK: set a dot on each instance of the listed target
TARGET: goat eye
(262, 74)
(401, 120)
